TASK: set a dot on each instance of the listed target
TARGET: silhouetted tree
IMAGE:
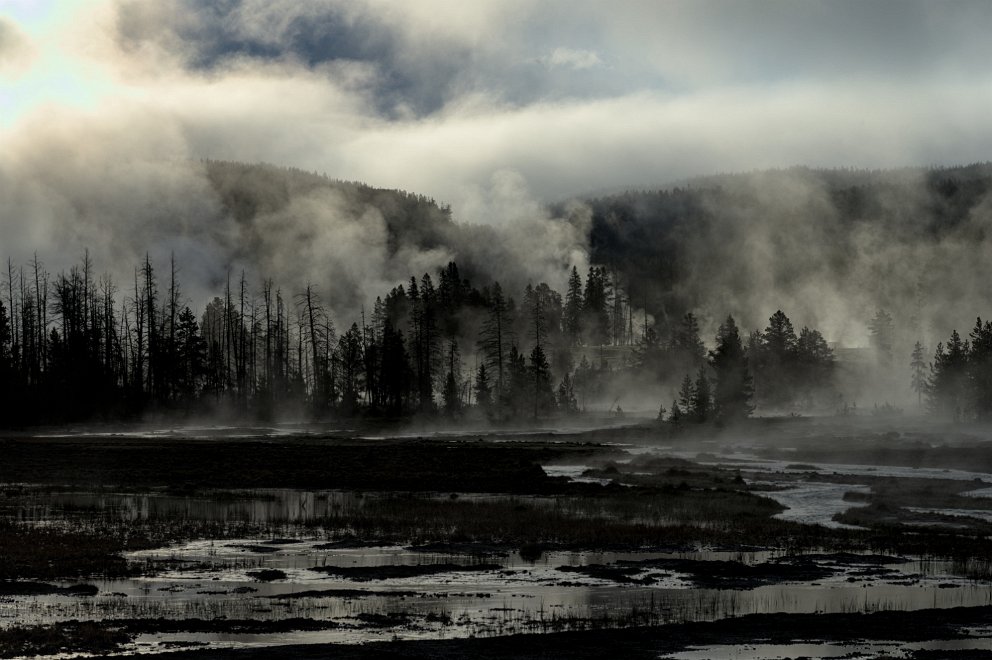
(350, 356)
(395, 376)
(949, 378)
(980, 369)
(814, 365)
(702, 402)
(495, 340)
(517, 398)
(192, 357)
(775, 361)
(541, 393)
(732, 395)
(595, 313)
(574, 303)
(483, 390)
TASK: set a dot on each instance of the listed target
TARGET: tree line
(957, 384)
(76, 346)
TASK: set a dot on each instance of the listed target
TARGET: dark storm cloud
(209, 37)
(411, 71)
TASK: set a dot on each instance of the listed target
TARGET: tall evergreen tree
(814, 365)
(541, 391)
(350, 355)
(702, 401)
(780, 337)
(596, 317)
(517, 397)
(980, 369)
(483, 389)
(732, 395)
(495, 340)
(395, 365)
(192, 356)
(573, 309)
(775, 361)
(949, 378)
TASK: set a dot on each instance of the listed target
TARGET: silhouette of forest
(79, 345)
(74, 346)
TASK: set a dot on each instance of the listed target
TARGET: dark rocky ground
(655, 642)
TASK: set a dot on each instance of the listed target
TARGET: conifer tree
(540, 385)
(573, 309)
(483, 390)
(949, 378)
(702, 402)
(980, 369)
(495, 340)
(732, 395)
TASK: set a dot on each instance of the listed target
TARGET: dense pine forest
(75, 346)
(682, 303)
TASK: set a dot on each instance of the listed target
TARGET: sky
(452, 99)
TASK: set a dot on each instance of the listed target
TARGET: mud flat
(945, 633)
(632, 540)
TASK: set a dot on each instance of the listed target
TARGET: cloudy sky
(450, 98)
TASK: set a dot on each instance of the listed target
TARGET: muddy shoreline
(656, 641)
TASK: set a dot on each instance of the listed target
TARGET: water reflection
(211, 579)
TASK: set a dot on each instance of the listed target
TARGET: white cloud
(691, 88)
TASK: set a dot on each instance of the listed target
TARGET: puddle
(815, 503)
(211, 580)
(574, 473)
(751, 462)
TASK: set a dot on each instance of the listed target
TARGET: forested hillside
(330, 298)
(831, 245)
